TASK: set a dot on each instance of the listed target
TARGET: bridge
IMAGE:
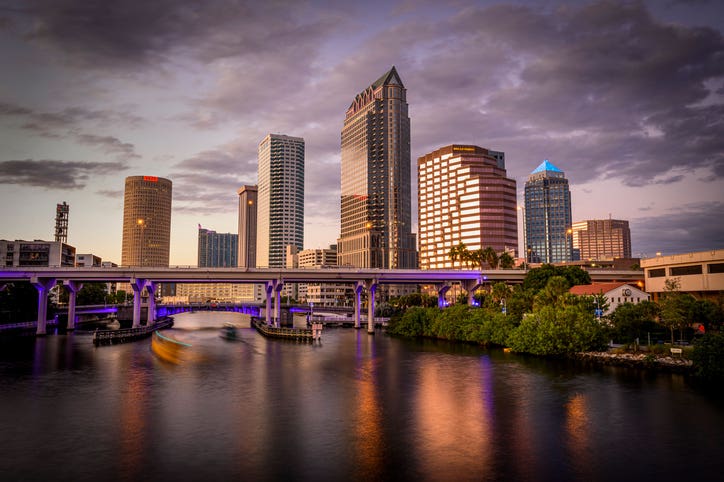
(273, 279)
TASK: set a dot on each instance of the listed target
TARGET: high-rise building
(376, 204)
(61, 222)
(247, 226)
(217, 250)
(146, 221)
(280, 204)
(464, 196)
(601, 239)
(548, 216)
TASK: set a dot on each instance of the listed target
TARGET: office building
(376, 184)
(601, 239)
(320, 294)
(146, 221)
(548, 216)
(464, 196)
(87, 260)
(700, 274)
(247, 226)
(280, 201)
(20, 253)
(217, 250)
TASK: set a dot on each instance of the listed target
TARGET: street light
(142, 225)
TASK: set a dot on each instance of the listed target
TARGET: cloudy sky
(626, 97)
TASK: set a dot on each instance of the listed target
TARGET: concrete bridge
(363, 279)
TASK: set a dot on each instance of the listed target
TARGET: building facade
(548, 216)
(217, 250)
(280, 202)
(146, 221)
(700, 274)
(601, 239)
(87, 260)
(247, 226)
(61, 222)
(616, 294)
(464, 196)
(376, 184)
(319, 294)
(20, 253)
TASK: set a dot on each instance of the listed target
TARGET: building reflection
(578, 432)
(368, 454)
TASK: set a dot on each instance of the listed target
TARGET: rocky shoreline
(646, 361)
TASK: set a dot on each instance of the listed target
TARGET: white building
(615, 293)
(700, 274)
(280, 199)
(21, 253)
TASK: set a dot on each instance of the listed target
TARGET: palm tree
(491, 257)
(459, 252)
(506, 260)
(478, 258)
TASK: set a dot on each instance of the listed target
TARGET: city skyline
(624, 97)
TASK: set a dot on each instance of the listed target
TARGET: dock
(292, 334)
(109, 337)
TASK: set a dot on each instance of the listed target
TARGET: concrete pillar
(470, 286)
(43, 285)
(278, 285)
(441, 290)
(73, 288)
(268, 287)
(137, 284)
(358, 288)
(371, 289)
(151, 315)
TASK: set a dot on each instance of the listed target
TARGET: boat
(229, 332)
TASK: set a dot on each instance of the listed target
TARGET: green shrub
(708, 357)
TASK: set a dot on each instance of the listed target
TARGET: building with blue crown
(548, 218)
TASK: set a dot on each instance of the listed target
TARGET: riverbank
(646, 361)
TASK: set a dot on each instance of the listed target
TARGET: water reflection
(368, 444)
(578, 432)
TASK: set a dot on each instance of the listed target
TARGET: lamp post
(142, 225)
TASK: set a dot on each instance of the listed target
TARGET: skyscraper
(601, 239)
(146, 221)
(375, 206)
(247, 226)
(464, 196)
(280, 204)
(548, 215)
(217, 249)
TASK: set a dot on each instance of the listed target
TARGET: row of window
(711, 268)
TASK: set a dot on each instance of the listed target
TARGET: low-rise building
(20, 253)
(700, 274)
(615, 293)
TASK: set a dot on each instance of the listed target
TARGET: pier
(292, 334)
(108, 337)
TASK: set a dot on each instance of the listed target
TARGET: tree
(490, 257)
(630, 321)
(92, 294)
(478, 258)
(554, 294)
(673, 307)
(537, 278)
(506, 260)
(457, 253)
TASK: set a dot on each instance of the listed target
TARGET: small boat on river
(229, 332)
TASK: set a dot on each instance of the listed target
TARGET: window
(716, 268)
(657, 273)
(686, 270)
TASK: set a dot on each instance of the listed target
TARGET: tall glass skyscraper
(548, 216)
(217, 250)
(280, 199)
(376, 204)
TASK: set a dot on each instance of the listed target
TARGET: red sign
(150, 178)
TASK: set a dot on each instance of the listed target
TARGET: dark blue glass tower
(217, 250)
(548, 216)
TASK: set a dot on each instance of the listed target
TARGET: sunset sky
(627, 98)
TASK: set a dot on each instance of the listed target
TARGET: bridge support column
(470, 286)
(358, 288)
(441, 290)
(151, 315)
(137, 284)
(73, 288)
(278, 285)
(43, 285)
(371, 289)
(268, 288)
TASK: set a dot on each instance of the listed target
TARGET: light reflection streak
(453, 410)
(578, 434)
(368, 453)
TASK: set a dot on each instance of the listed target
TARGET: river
(353, 407)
